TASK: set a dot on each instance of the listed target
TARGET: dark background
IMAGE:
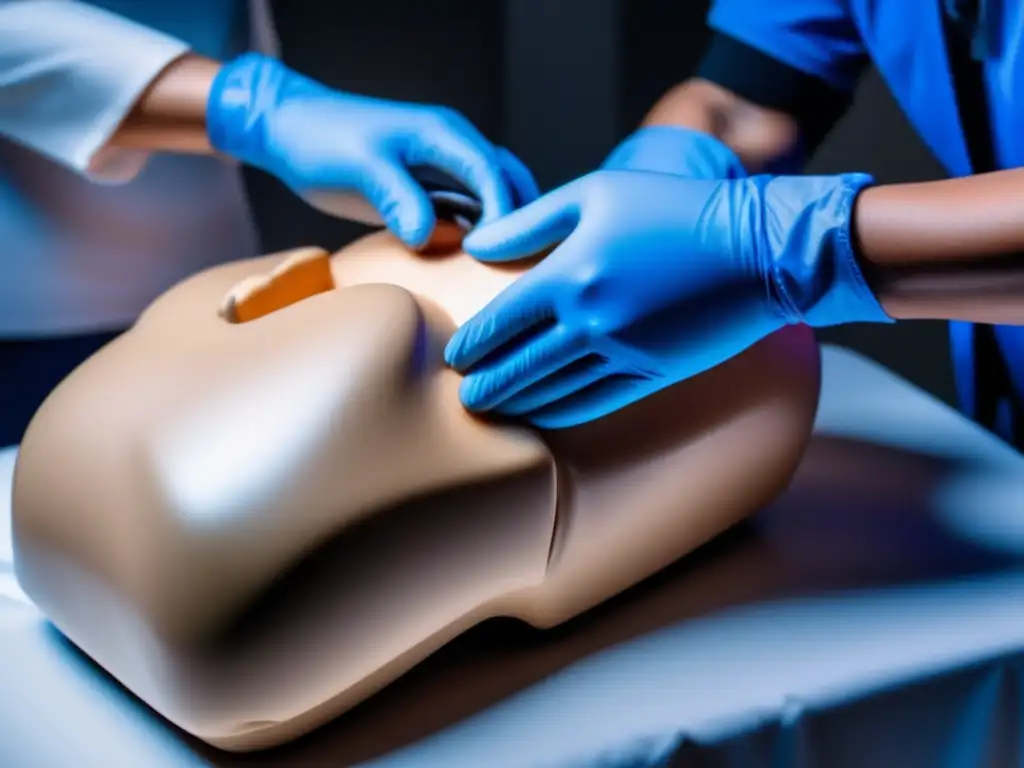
(560, 82)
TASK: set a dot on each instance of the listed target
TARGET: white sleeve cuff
(69, 74)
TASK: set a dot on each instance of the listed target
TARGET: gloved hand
(659, 278)
(676, 150)
(333, 148)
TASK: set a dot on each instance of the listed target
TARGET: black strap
(757, 77)
(992, 383)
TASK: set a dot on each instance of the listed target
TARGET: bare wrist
(170, 115)
(757, 135)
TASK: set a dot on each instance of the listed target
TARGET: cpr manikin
(265, 501)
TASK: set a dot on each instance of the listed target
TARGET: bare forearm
(170, 116)
(951, 249)
(757, 135)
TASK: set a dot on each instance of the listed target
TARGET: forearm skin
(170, 116)
(949, 250)
(758, 136)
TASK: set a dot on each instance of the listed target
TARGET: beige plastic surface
(256, 525)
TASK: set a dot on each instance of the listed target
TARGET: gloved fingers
(461, 151)
(489, 386)
(520, 308)
(519, 177)
(528, 231)
(601, 398)
(401, 202)
(575, 376)
(676, 150)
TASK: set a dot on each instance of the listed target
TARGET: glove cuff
(814, 268)
(676, 150)
(239, 95)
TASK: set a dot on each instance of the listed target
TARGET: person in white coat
(121, 126)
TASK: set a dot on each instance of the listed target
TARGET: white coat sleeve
(69, 74)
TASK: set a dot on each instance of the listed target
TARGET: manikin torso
(256, 525)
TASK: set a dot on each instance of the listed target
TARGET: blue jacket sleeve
(817, 37)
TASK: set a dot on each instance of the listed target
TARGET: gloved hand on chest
(354, 156)
(656, 278)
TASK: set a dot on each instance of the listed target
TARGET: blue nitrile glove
(680, 151)
(338, 150)
(659, 278)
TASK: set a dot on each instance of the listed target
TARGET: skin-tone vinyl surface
(265, 502)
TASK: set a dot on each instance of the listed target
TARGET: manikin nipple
(302, 273)
(306, 272)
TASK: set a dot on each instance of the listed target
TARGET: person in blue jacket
(688, 245)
